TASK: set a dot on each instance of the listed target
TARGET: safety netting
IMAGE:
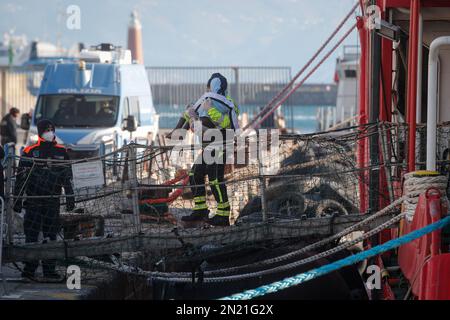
(129, 203)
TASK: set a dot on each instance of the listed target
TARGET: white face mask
(48, 136)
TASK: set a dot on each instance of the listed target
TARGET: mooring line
(318, 272)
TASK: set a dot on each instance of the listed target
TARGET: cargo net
(442, 147)
(129, 203)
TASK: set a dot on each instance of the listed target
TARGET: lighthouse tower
(135, 38)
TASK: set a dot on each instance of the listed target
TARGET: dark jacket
(37, 177)
(8, 129)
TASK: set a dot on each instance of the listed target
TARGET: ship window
(350, 73)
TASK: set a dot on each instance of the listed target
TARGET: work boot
(196, 215)
(222, 217)
(219, 221)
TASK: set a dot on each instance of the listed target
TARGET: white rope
(416, 184)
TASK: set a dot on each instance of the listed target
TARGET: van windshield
(78, 110)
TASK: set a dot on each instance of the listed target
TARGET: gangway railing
(142, 188)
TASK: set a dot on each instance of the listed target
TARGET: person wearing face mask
(8, 127)
(37, 175)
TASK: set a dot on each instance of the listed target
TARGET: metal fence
(247, 85)
(175, 87)
(171, 86)
(251, 87)
(19, 87)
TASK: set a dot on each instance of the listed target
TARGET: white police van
(97, 104)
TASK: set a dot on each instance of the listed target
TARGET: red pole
(385, 105)
(361, 148)
(386, 86)
(412, 82)
(385, 115)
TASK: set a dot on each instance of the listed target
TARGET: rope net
(132, 217)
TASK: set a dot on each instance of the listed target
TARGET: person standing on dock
(37, 177)
(215, 110)
(8, 127)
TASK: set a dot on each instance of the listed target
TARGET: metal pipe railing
(433, 93)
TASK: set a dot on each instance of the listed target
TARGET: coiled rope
(323, 270)
(419, 182)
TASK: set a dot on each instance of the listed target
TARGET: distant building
(135, 38)
(346, 79)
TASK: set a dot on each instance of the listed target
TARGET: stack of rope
(418, 182)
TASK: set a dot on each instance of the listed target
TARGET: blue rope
(315, 273)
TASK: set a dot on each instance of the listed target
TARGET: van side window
(134, 109)
(126, 111)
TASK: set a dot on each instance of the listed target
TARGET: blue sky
(193, 32)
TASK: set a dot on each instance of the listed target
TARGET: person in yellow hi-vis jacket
(215, 110)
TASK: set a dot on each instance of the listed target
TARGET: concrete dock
(95, 284)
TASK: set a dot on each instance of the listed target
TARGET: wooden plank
(318, 227)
